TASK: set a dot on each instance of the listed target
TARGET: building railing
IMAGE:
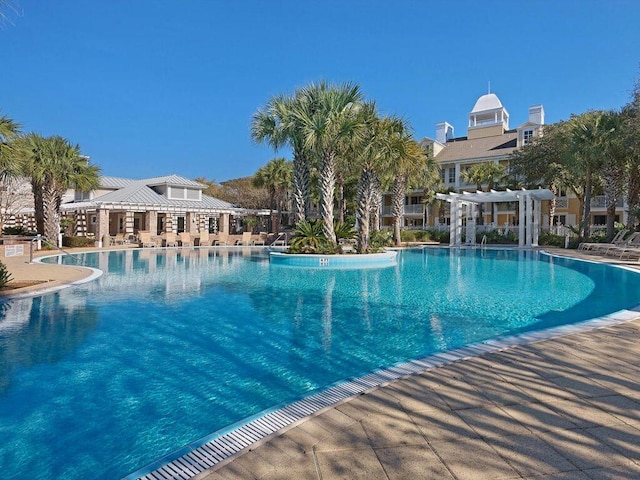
(406, 210)
(600, 201)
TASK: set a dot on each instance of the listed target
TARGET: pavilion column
(151, 222)
(128, 223)
(536, 222)
(102, 229)
(190, 220)
(471, 223)
(458, 224)
(452, 222)
(224, 223)
(529, 219)
(521, 220)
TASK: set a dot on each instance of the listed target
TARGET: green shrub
(73, 242)
(310, 238)
(17, 231)
(495, 237)
(5, 276)
(417, 236)
(379, 240)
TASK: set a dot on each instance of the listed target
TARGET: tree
(55, 165)
(9, 160)
(277, 125)
(488, 173)
(275, 176)
(631, 138)
(327, 118)
(407, 163)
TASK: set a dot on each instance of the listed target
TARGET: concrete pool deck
(563, 408)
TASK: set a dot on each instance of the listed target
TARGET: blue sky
(154, 87)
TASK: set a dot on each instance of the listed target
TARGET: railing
(406, 210)
(280, 240)
(600, 201)
(562, 202)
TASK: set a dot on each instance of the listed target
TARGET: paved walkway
(565, 408)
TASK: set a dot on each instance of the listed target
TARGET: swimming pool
(168, 346)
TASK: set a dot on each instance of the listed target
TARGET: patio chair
(629, 249)
(617, 240)
(260, 239)
(146, 240)
(185, 239)
(604, 248)
(223, 239)
(170, 240)
(204, 240)
(245, 240)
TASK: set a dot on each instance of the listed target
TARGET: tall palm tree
(54, 165)
(327, 117)
(408, 163)
(275, 176)
(276, 125)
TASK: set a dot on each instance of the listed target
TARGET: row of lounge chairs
(185, 239)
(623, 245)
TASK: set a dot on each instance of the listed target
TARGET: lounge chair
(245, 240)
(185, 239)
(146, 240)
(170, 240)
(259, 240)
(628, 249)
(616, 241)
(223, 239)
(203, 239)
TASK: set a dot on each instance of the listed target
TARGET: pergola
(529, 210)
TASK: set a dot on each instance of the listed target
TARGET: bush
(552, 240)
(495, 237)
(416, 236)
(17, 231)
(73, 242)
(379, 240)
(5, 276)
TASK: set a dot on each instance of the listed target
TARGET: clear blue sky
(154, 87)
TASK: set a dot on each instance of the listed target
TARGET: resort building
(489, 139)
(124, 206)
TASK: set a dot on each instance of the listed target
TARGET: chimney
(536, 114)
(444, 132)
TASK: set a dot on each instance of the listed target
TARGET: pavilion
(466, 203)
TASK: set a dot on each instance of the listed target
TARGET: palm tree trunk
(363, 212)
(341, 202)
(552, 205)
(398, 193)
(327, 192)
(50, 215)
(586, 218)
(376, 203)
(300, 188)
(38, 207)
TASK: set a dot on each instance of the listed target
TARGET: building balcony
(600, 201)
(407, 210)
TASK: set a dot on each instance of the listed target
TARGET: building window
(527, 137)
(94, 219)
(180, 224)
(452, 175)
(560, 220)
(443, 172)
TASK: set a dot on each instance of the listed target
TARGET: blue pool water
(168, 346)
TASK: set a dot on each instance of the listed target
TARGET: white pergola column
(471, 223)
(521, 220)
(536, 222)
(529, 219)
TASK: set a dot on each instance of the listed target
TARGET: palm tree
(327, 118)
(407, 163)
(488, 173)
(9, 132)
(277, 125)
(55, 165)
(275, 176)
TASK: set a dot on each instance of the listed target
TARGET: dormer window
(527, 137)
